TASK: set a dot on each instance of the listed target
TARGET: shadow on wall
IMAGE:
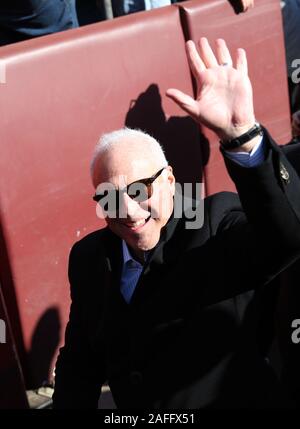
(186, 148)
(44, 343)
(35, 365)
(10, 299)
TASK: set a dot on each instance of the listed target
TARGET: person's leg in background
(71, 4)
(35, 18)
(124, 7)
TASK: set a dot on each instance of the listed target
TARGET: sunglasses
(140, 190)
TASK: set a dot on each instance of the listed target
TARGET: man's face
(138, 223)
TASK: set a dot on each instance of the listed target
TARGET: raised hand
(224, 101)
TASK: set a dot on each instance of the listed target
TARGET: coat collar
(155, 261)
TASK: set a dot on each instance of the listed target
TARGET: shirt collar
(126, 253)
(127, 256)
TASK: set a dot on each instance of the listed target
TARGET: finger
(195, 62)
(206, 53)
(249, 3)
(241, 61)
(245, 6)
(187, 103)
(223, 54)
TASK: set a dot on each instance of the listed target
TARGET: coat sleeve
(252, 246)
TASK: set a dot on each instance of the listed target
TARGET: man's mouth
(134, 226)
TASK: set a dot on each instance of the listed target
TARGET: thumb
(184, 101)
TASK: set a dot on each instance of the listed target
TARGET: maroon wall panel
(58, 94)
(61, 92)
(259, 31)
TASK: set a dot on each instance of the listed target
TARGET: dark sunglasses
(140, 190)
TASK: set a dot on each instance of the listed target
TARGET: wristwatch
(244, 138)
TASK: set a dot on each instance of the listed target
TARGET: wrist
(235, 131)
(247, 147)
(246, 139)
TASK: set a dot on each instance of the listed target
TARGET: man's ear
(171, 178)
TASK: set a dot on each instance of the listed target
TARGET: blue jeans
(24, 19)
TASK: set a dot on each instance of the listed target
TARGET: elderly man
(165, 313)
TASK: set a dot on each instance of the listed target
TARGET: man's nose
(130, 209)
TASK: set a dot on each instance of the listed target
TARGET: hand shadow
(186, 148)
(237, 6)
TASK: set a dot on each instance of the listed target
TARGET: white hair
(114, 138)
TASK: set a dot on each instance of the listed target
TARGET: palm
(224, 98)
(221, 98)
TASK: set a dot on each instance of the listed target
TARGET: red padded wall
(62, 92)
